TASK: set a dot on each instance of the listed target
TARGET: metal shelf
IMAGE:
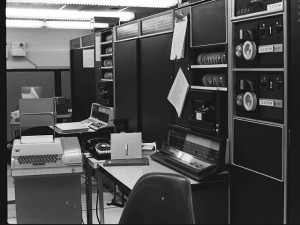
(209, 66)
(106, 55)
(209, 88)
(258, 69)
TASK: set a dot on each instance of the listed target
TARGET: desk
(211, 209)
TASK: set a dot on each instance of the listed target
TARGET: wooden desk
(214, 208)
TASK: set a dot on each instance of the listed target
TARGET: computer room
(173, 111)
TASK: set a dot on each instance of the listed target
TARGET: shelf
(106, 42)
(106, 55)
(106, 67)
(111, 80)
(259, 69)
(209, 66)
(209, 88)
(258, 121)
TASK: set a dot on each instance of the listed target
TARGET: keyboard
(97, 125)
(176, 165)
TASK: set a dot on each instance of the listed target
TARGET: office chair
(159, 198)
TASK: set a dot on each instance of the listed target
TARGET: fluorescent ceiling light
(24, 23)
(72, 25)
(64, 14)
(54, 24)
(129, 3)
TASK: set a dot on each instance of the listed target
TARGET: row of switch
(269, 30)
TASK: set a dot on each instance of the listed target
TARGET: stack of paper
(74, 127)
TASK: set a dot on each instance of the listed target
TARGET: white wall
(44, 47)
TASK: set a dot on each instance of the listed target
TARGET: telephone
(98, 147)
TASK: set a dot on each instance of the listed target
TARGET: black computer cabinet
(264, 136)
(83, 92)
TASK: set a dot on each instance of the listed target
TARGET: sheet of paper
(178, 92)
(88, 58)
(97, 48)
(178, 41)
(37, 139)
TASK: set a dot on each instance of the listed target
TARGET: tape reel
(249, 50)
(239, 99)
(250, 101)
(239, 50)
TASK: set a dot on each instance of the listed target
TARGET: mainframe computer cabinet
(263, 117)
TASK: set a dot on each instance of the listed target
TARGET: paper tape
(250, 101)
(249, 50)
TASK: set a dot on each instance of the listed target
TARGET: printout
(178, 41)
(178, 92)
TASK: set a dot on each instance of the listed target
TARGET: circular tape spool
(239, 50)
(250, 101)
(239, 99)
(249, 50)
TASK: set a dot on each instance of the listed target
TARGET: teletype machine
(46, 170)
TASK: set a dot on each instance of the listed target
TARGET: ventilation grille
(158, 24)
(75, 43)
(88, 40)
(127, 31)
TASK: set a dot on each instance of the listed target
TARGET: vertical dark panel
(126, 84)
(255, 199)
(82, 86)
(156, 71)
(294, 111)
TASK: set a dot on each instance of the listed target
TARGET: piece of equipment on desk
(100, 117)
(63, 155)
(191, 153)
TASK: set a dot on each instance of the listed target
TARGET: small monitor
(31, 92)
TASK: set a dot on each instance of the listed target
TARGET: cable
(31, 62)
(97, 207)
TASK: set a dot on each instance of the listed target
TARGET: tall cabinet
(82, 76)
(263, 72)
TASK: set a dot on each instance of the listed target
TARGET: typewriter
(194, 154)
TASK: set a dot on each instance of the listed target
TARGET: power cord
(31, 62)
(97, 207)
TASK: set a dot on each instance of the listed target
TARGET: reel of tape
(239, 99)
(108, 37)
(211, 58)
(250, 101)
(108, 75)
(108, 50)
(239, 50)
(107, 62)
(214, 80)
(249, 50)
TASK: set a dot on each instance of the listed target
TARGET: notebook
(73, 127)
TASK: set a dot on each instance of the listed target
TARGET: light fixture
(24, 23)
(129, 3)
(72, 25)
(64, 14)
(54, 24)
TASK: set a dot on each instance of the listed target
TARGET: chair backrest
(159, 198)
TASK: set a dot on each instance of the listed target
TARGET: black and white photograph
(151, 112)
